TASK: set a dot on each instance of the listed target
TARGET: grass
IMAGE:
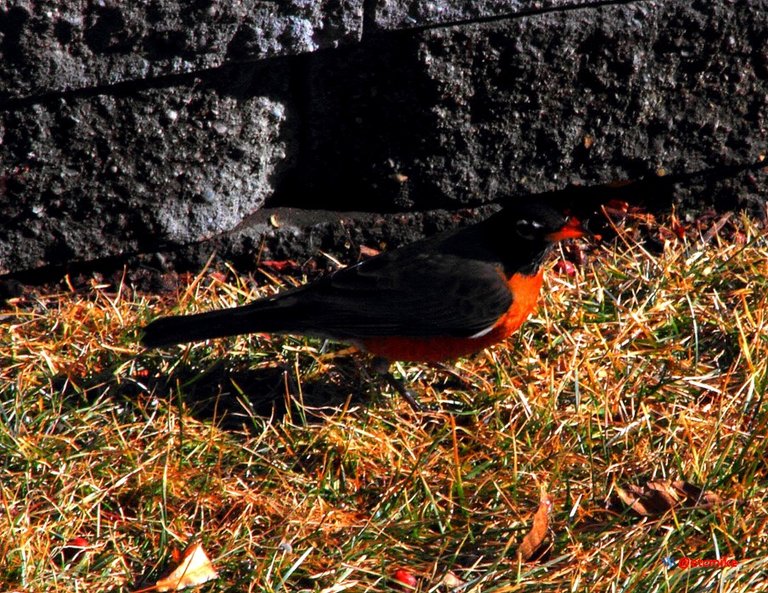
(298, 473)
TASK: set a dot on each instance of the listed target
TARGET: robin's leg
(381, 366)
(451, 370)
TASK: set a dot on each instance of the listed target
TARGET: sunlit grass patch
(298, 471)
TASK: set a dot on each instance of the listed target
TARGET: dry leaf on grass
(366, 251)
(287, 265)
(451, 581)
(72, 551)
(696, 497)
(195, 569)
(405, 579)
(534, 545)
(659, 496)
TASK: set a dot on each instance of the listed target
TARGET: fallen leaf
(534, 545)
(616, 208)
(565, 268)
(646, 502)
(73, 550)
(366, 251)
(451, 581)
(279, 266)
(195, 569)
(405, 579)
(677, 227)
(659, 496)
(701, 499)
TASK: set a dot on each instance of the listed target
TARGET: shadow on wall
(361, 112)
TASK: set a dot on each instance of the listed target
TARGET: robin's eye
(528, 228)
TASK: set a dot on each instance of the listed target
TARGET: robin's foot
(381, 366)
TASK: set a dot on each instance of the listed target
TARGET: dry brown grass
(641, 367)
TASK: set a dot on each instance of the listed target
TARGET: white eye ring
(535, 224)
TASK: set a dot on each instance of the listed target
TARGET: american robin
(437, 299)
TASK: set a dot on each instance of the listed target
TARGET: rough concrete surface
(417, 14)
(140, 129)
(58, 45)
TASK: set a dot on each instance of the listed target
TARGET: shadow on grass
(233, 394)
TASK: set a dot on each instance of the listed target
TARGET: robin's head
(540, 223)
(522, 233)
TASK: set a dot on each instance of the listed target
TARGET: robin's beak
(572, 229)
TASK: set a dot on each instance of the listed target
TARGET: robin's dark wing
(405, 294)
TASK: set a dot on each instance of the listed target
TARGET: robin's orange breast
(525, 291)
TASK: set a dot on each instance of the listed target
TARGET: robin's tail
(260, 316)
